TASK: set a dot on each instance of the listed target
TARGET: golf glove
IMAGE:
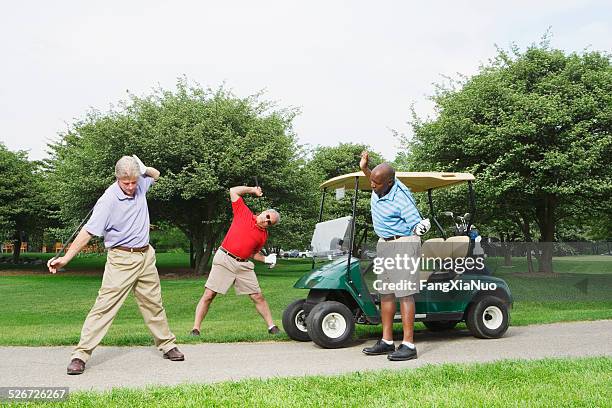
(271, 260)
(422, 227)
(143, 168)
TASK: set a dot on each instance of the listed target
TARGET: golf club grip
(73, 235)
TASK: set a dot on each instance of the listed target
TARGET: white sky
(353, 67)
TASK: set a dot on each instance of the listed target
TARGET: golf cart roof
(416, 181)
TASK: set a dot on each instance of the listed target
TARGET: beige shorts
(226, 271)
(400, 279)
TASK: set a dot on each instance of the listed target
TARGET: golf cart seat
(453, 247)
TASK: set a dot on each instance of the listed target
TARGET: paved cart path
(209, 362)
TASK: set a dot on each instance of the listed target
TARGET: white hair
(127, 166)
(273, 211)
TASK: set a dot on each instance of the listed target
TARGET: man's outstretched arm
(79, 242)
(239, 191)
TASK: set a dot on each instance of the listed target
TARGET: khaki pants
(126, 271)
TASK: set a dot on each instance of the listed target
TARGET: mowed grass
(44, 309)
(581, 382)
(579, 264)
(88, 262)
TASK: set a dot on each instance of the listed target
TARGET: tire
(441, 325)
(294, 321)
(488, 318)
(331, 324)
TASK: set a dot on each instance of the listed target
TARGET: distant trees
(536, 130)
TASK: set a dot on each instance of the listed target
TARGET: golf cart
(341, 293)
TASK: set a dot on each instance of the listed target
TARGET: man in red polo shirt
(231, 265)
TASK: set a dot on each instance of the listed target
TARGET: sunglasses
(268, 220)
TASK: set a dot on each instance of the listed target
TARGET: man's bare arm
(152, 172)
(239, 191)
(259, 257)
(79, 242)
(363, 163)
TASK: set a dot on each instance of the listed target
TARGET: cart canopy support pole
(320, 219)
(352, 236)
(472, 206)
(433, 214)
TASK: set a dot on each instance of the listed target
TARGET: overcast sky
(354, 68)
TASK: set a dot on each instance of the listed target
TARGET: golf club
(72, 236)
(260, 210)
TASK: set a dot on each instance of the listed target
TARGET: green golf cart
(341, 291)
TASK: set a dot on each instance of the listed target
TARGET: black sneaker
(194, 333)
(379, 348)
(403, 353)
(274, 330)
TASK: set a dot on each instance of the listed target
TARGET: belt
(394, 237)
(128, 249)
(232, 255)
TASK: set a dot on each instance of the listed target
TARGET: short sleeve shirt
(244, 238)
(395, 213)
(120, 219)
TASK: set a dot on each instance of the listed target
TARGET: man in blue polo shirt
(121, 216)
(399, 226)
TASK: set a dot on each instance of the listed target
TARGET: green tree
(203, 141)
(330, 161)
(535, 127)
(24, 211)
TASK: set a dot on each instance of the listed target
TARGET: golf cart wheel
(330, 324)
(294, 321)
(488, 318)
(441, 325)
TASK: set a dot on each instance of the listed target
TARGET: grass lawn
(551, 382)
(44, 309)
(581, 264)
(89, 262)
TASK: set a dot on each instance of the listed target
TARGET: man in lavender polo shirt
(121, 216)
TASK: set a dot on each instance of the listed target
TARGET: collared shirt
(395, 213)
(244, 238)
(122, 220)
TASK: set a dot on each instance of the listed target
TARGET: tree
(330, 161)
(536, 130)
(202, 141)
(316, 166)
(24, 210)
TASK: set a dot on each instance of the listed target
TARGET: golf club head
(449, 214)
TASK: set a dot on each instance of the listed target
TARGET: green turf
(45, 309)
(582, 264)
(166, 260)
(551, 382)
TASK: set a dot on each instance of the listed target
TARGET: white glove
(422, 227)
(271, 260)
(143, 168)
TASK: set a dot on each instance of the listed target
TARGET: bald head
(382, 179)
(385, 171)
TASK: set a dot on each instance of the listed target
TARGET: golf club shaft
(257, 185)
(73, 235)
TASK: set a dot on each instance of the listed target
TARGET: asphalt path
(136, 367)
